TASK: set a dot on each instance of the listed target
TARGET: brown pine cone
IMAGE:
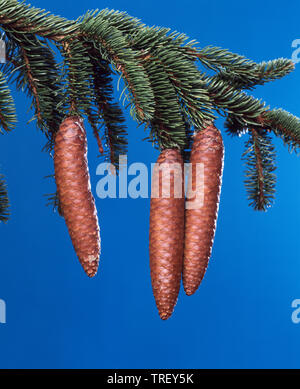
(202, 211)
(167, 230)
(74, 191)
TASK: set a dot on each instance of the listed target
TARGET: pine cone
(74, 190)
(167, 231)
(201, 211)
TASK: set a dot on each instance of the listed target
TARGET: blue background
(241, 315)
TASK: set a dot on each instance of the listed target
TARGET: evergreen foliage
(284, 125)
(4, 203)
(7, 107)
(163, 86)
(260, 178)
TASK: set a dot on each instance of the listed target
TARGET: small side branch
(32, 84)
(260, 178)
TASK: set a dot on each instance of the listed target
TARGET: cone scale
(74, 191)
(200, 221)
(166, 230)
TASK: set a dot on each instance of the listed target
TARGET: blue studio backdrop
(241, 316)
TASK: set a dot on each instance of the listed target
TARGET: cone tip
(165, 315)
(189, 292)
(90, 266)
(166, 312)
(190, 289)
(91, 273)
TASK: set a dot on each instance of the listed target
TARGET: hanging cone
(201, 212)
(74, 190)
(167, 230)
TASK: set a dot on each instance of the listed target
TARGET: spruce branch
(187, 80)
(92, 22)
(260, 178)
(260, 74)
(167, 127)
(7, 107)
(284, 125)
(32, 83)
(78, 69)
(166, 53)
(234, 126)
(125, 23)
(169, 51)
(4, 203)
(18, 17)
(165, 89)
(107, 113)
(230, 101)
(216, 58)
(113, 47)
(32, 67)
